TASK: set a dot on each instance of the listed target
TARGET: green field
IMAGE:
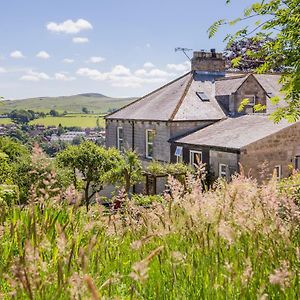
(71, 120)
(4, 121)
(96, 103)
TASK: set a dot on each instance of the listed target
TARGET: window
(120, 139)
(251, 99)
(222, 170)
(195, 157)
(297, 162)
(277, 170)
(149, 143)
(178, 154)
(202, 96)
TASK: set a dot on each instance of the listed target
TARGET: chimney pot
(211, 62)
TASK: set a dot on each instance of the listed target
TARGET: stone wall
(164, 131)
(137, 130)
(208, 62)
(217, 157)
(277, 149)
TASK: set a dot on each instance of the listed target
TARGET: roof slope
(229, 85)
(235, 133)
(193, 108)
(158, 105)
(176, 101)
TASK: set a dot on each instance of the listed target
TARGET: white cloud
(17, 54)
(153, 73)
(96, 59)
(184, 67)
(68, 60)
(63, 77)
(43, 55)
(120, 70)
(2, 70)
(80, 40)
(149, 65)
(69, 26)
(35, 76)
(121, 76)
(148, 45)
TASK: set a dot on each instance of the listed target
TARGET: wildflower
(248, 272)
(281, 276)
(140, 269)
(226, 231)
(178, 257)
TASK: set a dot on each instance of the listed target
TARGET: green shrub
(144, 200)
(9, 194)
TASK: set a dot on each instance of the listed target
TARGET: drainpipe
(132, 147)
(132, 137)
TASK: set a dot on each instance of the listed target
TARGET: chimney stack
(210, 62)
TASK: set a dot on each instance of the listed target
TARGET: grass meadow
(237, 241)
(71, 120)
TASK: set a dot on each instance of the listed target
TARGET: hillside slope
(96, 103)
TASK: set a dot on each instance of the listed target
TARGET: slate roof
(229, 85)
(176, 101)
(235, 133)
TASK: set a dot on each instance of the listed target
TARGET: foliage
(93, 164)
(14, 150)
(129, 170)
(291, 186)
(147, 200)
(9, 195)
(157, 168)
(279, 21)
(238, 54)
(21, 116)
(54, 113)
(222, 244)
(85, 110)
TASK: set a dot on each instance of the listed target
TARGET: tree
(278, 19)
(21, 116)
(93, 164)
(129, 170)
(85, 110)
(237, 54)
(54, 113)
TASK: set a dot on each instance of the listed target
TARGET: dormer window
(251, 99)
(202, 96)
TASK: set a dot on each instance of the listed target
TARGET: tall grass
(237, 241)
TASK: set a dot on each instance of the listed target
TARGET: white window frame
(297, 162)
(249, 97)
(221, 173)
(120, 139)
(179, 158)
(278, 176)
(149, 143)
(192, 152)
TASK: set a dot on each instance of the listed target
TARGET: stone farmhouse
(196, 118)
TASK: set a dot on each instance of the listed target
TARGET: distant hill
(94, 102)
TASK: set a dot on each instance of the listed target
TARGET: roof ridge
(182, 97)
(233, 77)
(141, 98)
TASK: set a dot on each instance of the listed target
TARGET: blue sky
(116, 47)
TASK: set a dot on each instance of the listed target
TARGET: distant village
(55, 134)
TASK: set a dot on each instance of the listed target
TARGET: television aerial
(184, 51)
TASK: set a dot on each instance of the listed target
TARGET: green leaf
(243, 104)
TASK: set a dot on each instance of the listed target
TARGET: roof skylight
(202, 96)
